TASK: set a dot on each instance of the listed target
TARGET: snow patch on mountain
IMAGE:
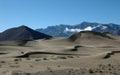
(72, 30)
(101, 26)
(89, 28)
(104, 27)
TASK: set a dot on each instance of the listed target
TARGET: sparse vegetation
(70, 56)
(62, 57)
(91, 71)
(45, 59)
(19, 59)
(22, 52)
(2, 62)
(59, 66)
(82, 71)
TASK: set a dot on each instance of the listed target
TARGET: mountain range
(22, 33)
(26, 33)
(67, 30)
(89, 51)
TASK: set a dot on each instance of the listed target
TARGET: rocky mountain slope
(67, 30)
(22, 33)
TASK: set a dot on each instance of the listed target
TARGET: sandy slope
(63, 54)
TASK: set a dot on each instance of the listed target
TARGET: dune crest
(81, 52)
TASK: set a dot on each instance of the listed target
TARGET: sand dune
(85, 50)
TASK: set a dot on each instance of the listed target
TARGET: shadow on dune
(48, 53)
(2, 53)
(108, 55)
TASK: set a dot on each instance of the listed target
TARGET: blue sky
(43, 13)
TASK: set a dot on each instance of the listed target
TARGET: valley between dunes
(84, 53)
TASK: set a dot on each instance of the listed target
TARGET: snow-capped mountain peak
(68, 30)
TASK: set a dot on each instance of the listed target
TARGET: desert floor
(61, 56)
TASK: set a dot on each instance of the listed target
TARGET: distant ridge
(22, 33)
(63, 30)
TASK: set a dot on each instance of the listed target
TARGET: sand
(61, 56)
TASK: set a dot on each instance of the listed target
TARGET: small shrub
(109, 69)
(3, 62)
(31, 66)
(44, 58)
(101, 71)
(18, 59)
(22, 52)
(91, 71)
(59, 66)
(109, 64)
